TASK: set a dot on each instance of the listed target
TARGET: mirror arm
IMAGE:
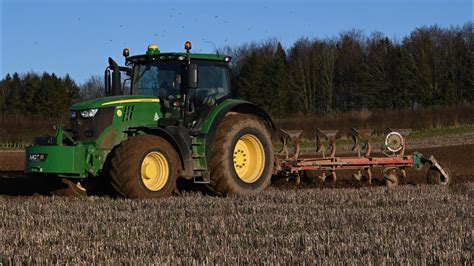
(124, 83)
(107, 80)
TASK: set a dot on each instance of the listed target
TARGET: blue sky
(76, 37)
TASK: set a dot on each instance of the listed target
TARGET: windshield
(161, 79)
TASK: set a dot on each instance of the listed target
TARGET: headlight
(89, 113)
(72, 114)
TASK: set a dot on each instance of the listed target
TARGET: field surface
(411, 224)
(315, 222)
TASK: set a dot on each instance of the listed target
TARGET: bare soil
(458, 158)
(13, 160)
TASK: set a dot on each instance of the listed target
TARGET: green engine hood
(114, 101)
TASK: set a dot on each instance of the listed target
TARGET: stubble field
(411, 224)
(316, 222)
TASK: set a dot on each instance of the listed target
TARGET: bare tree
(93, 88)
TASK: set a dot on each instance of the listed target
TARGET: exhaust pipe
(116, 78)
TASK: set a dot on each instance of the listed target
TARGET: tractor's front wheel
(242, 156)
(144, 166)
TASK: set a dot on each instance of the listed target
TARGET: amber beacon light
(125, 52)
(187, 46)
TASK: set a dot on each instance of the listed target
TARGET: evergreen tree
(251, 79)
(29, 88)
(13, 101)
(72, 91)
(279, 82)
(350, 65)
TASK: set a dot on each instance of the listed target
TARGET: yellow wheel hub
(249, 158)
(155, 171)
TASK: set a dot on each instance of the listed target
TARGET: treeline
(432, 66)
(45, 95)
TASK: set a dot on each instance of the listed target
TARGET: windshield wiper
(148, 67)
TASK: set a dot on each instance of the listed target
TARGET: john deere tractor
(176, 119)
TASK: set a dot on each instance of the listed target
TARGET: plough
(392, 161)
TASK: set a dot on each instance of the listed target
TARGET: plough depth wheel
(434, 176)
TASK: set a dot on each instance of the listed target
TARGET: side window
(213, 84)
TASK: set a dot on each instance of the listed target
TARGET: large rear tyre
(242, 156)
(144, 166)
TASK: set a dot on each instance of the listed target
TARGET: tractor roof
(176, 56)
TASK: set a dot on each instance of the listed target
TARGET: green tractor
(176, 119)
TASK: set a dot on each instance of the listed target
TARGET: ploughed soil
(458, 158)
(13, 160)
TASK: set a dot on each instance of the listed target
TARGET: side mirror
(107, 81)
(192, 76)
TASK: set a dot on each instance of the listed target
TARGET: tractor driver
(170, 85)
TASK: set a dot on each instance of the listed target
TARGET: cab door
(213, 87)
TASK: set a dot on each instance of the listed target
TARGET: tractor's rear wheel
(144, 167)
(242, 156)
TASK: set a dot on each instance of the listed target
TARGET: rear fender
(234, 106)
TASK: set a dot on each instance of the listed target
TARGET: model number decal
(37, 157)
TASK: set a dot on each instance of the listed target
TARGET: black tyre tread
(217, 165)
(125, 157)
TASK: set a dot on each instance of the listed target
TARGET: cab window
(213, 84)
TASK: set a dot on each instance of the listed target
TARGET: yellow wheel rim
(249, 158)
(154, 171)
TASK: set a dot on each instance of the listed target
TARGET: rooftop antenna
(215, 48)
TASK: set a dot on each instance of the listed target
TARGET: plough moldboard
(392, 159)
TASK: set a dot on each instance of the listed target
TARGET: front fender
(178, 138)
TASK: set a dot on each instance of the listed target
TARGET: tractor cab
(188, 85)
